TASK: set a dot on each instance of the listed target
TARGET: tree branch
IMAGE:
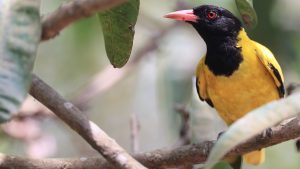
(159, 159)
(98, 139)
(70, 12)
(77, 120)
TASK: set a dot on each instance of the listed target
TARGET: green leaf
(20, 34)
(118, 29)
(253, 124)
(247, 12)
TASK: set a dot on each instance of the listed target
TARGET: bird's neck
(223, 55)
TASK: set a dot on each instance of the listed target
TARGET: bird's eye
(212, 15)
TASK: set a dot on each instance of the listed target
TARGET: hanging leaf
(253, 124)
(118, 29)
(20, 34)
(247, 12)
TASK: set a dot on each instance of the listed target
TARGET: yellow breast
(246, 89)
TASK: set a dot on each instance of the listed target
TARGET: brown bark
(70, 12)
(78, 121)
(158, 159)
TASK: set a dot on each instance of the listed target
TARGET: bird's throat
(223, 57)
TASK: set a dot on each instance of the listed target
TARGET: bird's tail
(236, 163)
(255, 157)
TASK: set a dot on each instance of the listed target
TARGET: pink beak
(183, 15)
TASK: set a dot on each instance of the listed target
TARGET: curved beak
(183, 15)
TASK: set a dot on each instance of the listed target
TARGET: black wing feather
(281, 89)
(208, 101)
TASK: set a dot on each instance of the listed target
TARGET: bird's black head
(210, 21)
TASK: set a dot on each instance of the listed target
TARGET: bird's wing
(201, 83)
(271, 64)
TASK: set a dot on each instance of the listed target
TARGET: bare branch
(100, 83)
(159, 159)
(77, 120)
(13, 162)
(72, 11)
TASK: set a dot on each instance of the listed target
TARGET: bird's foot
(220, 134)
(267, 133)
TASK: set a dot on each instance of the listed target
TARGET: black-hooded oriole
(237, 74)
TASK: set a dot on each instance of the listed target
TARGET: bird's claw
(267, 133)
(220, 134)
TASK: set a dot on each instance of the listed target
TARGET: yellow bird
(237, 74)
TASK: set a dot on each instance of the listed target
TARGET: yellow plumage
(238, 74)
(257, 81)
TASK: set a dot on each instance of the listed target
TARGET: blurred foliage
(162, 78)
(20, 33)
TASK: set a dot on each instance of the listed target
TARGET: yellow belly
(246, 89)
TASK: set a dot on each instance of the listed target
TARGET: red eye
(212, 15)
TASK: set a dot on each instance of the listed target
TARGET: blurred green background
(155, 84)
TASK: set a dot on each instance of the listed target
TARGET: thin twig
(100, 83)
(184, 133)
(135, 130)
(77, 120)
(179, 157)
(72, 11)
